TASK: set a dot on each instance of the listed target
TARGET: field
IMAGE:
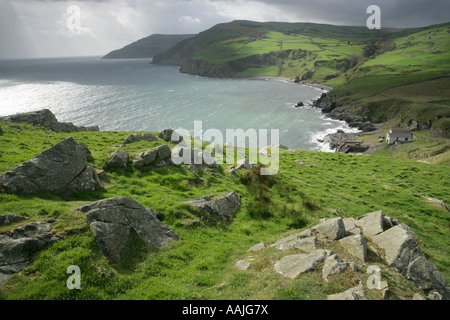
(200, 265)
(378, 75)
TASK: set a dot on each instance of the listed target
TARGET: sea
(135, 95)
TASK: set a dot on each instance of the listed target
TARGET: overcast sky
(40, 28)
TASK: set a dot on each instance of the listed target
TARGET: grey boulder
(17, 251)
(118, 159)
(51, 170)
(113, 220)
(223, 208)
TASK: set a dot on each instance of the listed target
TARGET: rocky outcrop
(395, 241)
(193, 158)
(150, 137)
(46, 119)
(402, 253)
(170, 135)
(113, 220)
(62, 168)
(17, 251)
(223, 208)
(158, 156)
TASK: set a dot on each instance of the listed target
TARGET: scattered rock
(418, 296)
(257, 247)
(333, 229)
(301, 163)
(138, 163)
(439, 203)
(293, 265)
(17, 251)
(150, 137)
(288, 241)
(170, 135)
(223, 208)
(18, 128)
(112, 221)
(434, 295)
(132, 138)
(243, 265)
(164, 152)
(356, 246)
(149, 157)
(354, 293)
(51, 170)
(10, 218)
(118, 159)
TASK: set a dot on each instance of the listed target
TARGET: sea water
(134, 95)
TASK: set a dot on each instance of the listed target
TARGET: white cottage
(399, 136)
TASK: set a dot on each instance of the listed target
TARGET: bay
(134, 95)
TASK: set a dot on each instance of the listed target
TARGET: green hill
(201, 264)
(147, 47)
(369, 69)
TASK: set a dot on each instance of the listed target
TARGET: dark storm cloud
(38, 27)
(395, 13)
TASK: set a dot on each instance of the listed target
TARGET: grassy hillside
(148, 47)
(377, 75)
(200, 265)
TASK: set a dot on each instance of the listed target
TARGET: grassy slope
(201, 264)
(147, 47)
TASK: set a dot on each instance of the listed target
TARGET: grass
(404, 78)
(200, 265)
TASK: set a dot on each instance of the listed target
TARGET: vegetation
(377, 75)
(200, 265)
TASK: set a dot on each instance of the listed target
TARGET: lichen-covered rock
(257, 247)
(371, 223)
(333, 229)
(356, 246)
(51, 170)
(17, 251)
(112, 221)
(293, 265)
(170, 135)
(86, 181)
(334, 266)
(223, 208)
(118, 159)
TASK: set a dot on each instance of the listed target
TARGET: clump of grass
(260, 206)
